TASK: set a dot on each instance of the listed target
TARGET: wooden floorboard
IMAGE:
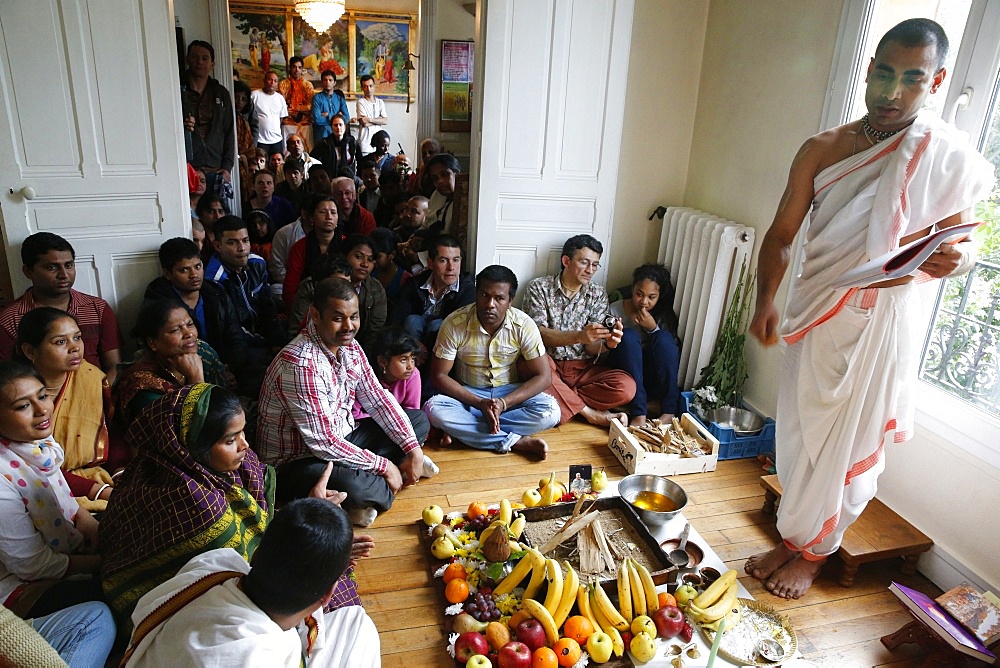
(836, 626)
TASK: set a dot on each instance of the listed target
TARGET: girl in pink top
(396, 370)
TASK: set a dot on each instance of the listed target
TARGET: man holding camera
(574, 319)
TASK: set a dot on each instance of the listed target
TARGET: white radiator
(704, 254)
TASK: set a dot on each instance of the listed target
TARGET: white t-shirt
(270, 110)
(372, 109)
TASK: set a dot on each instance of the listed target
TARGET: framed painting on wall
(330, 50)
(259, 36)
(456, 85)
(380, 44)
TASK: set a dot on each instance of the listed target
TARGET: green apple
(643, 647)
(599, 480)
(478, 661)
(684, 594)
(433, 515)
(643, 624)
(442, 548)
(531, 498)
(599, 646)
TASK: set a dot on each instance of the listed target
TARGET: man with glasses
(574, 319)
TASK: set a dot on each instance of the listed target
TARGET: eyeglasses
(584, 264)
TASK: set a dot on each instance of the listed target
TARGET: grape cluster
(479, 523)
(482, 608)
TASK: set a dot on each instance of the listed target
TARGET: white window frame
(976, 67)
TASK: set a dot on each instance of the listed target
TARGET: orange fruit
(477, 508)
(453, 571)
(456, 591)
(579, 628)
(666, 599)
(567, 651)
(543, 657)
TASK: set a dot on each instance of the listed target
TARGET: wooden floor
(836, 626)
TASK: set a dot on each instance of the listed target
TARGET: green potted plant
(722, 379)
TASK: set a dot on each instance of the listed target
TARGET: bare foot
(637, 421)
(445, 438)
(602, 418)
(794, 578)
(666, 418)
(763, 565)
(535, 447)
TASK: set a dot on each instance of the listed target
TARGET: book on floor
(973, 610)
(925, 609)
(904, 260)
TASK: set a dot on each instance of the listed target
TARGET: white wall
(660, 88)
(760, 96)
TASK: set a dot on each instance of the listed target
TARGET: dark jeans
(364, 489)
(654, 369)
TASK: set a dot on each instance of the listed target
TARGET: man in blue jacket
(325, 105)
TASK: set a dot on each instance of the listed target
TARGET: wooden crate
(636, 460)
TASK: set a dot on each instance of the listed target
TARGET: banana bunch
(533, 562)
(636, 591)
(716, 602)
(605, 616)
(561, 594)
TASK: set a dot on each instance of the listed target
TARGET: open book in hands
(904, 260)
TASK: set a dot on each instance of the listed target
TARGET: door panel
(550, 128)
(92, 119)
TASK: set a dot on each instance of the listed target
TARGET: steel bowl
(630, 486)
(740, 420)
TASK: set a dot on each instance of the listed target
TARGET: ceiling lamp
(320, 14)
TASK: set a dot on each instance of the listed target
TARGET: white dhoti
(852, 354)
(843, 394)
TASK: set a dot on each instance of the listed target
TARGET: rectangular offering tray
(616, 516)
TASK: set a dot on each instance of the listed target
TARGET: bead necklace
(873, 135)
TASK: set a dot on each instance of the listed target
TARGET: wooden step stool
(878, 534)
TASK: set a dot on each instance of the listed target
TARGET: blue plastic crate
(732, 446)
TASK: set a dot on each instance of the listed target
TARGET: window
(960, 368)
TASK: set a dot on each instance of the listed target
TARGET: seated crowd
(291, 365)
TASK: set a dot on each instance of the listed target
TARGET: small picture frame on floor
(579, 478)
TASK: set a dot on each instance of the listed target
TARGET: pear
(465, 622)
(642, 648)
(599, 480)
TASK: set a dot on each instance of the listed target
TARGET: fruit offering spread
(509, 605)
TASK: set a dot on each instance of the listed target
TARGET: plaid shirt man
(306, 400)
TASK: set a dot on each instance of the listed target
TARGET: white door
(89, 134)
(551, 106)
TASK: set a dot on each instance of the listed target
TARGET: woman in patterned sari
(171, 355)
(195, 486)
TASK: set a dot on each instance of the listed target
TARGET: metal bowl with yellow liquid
(655, 499)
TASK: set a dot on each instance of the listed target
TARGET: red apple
(669, 621)
(531, 633)
(515, 655)
(468, 645)
(626, 639)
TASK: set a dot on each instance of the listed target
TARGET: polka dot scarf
(33, 470)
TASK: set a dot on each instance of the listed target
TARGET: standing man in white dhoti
(868, 187)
